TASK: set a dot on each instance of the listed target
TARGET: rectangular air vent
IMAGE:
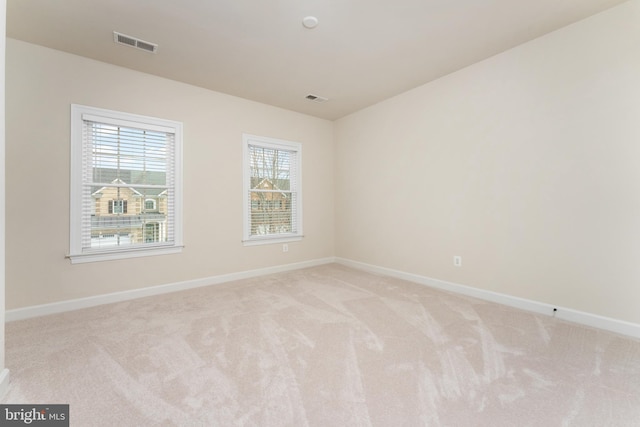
(134, 42)
(316, 98)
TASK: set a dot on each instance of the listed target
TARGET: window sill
(123, 254)
(271, 240)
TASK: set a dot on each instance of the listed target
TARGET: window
(151, 232)
(272, 190)
(117, 206)
(150, 205)
(126, 196)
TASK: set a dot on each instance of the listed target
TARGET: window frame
(76, 253)
(276, 144)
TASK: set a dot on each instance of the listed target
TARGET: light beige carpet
(325, 346)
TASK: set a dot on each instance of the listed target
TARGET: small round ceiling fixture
(310, 22)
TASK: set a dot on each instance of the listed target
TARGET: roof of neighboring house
(271, 184)
(137, 178)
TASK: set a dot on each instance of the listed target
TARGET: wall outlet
(457, 261)
(285, 248)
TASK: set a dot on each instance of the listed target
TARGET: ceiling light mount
(310, 22)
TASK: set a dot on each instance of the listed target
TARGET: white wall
(41, 85)
(527, 165)
(4, 373)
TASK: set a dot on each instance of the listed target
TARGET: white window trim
(76, 254)
(278, 144)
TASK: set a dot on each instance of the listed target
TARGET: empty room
(305, 213)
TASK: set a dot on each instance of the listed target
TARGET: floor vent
(134, 42)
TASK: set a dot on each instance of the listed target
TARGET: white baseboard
(75, 304)
(4, 382)
(588, 319)
(575, 316)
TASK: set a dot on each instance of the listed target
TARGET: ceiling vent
(134, 42)
(316, 98)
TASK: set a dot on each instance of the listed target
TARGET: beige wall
(4, 379)
(527, 165)
(41, 85)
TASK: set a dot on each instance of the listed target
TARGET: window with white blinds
(272, 190)
(121, 164)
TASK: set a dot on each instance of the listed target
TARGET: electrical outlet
(285, 248)
(457, 261)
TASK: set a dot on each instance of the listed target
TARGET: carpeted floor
(324, 346)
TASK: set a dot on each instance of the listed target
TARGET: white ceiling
(362, 51)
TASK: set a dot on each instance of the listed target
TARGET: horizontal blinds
(123, 168)
(273, 191)
(126, 123)
(135, 156)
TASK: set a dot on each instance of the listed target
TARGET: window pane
(124, 161)
(269, 168)
(119, 217)
(271, 213)
(134, 156)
